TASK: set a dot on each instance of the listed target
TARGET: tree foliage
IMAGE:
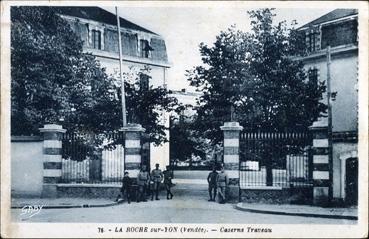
(251, 77)
(183, 143)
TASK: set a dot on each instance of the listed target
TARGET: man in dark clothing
(212, 181)
(126, 188)
(168, 175)
(157, 177)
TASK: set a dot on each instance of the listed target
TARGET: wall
(278, 196)
(26, 167)
(344, 82)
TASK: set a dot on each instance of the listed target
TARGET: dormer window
(96, 39)
(145, 48)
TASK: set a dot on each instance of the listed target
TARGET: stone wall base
(49, 191)
(233, 193)
(321, 197)
(94, 191)
(286, 195)
(74, 191)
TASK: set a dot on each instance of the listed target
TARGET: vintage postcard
(184, 119)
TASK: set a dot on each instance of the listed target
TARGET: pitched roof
(333, 15)
(99, 15)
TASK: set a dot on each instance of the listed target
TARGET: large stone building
(339, 30)
(141, 48)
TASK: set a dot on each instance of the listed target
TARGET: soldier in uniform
(151, 189)
(168, 175)
(222, 182)
(212, 181)
(126, 188)
(143, 179)
(156, 177)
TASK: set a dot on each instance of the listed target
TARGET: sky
(184, 28)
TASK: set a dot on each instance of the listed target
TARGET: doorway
(351, 182)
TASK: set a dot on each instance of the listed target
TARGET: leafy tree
(54, 81)
(251, 77)
(184, 142)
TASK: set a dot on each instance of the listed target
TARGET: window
(145, 48)
(313, 76)
(96, 39)
(311, 42)
(144, 82)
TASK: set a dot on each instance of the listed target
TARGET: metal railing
(91, 158)
(275, 159)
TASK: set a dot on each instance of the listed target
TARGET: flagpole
(120, 70)
(329, 92)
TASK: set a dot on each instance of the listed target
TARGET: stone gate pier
(231, 144)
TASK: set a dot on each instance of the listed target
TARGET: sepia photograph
(184, 119)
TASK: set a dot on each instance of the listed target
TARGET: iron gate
(279, 159)
(92, 158)
(96, 158)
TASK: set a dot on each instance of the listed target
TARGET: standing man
(168, 175)
(143, 179)
(126, 188)
(222, 182)
(156, 177)
(212, 181)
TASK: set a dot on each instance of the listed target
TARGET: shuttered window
(313, 76)
(96, 39)
(311, 42)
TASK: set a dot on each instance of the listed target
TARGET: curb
(71, 206)
(296, 214)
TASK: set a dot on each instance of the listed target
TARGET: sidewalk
(300, 210)
(61, 202)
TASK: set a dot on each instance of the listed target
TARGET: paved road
(188, 206)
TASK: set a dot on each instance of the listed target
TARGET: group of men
(217, 184)
(150, 183)
(147, 183)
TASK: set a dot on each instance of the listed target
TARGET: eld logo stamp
(31, 210)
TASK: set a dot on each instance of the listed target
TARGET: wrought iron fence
(93, 158)
(280, 159)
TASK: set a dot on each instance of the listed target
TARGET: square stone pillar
(322, 165)
(52, 158)
(132, 149)
(231, 159)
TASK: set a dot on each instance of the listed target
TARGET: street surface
(189, 205)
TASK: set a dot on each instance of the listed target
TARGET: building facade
(338, 29)
(141, 49)
(188, 99)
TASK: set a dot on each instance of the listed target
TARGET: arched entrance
(351, 181)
